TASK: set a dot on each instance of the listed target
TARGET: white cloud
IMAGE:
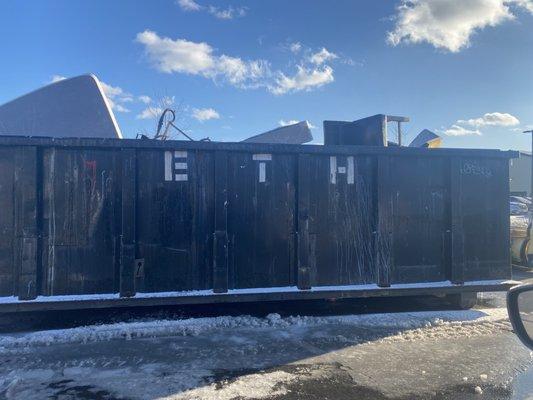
(112, 91)
(156, 110)
(118, 107)
(241, 73)
(189, 5)
(525, 4)
(456, 130)
(295, 47)
(226, 13)
(177, 55)
(220, 13)
(204, 114)
(145, 99)
(282, 122)
(304, 79)
(322, 56)
(116, 96)
(183, 56)
(491, 119)
(149, 113)
(449, 24)
(487, 120)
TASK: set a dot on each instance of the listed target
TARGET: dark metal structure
(109, 222)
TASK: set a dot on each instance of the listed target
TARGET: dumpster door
(336, 219)
(260, 219)
(174, 219)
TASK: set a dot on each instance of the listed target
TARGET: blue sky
(240, 67)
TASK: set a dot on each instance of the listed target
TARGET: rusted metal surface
(94, 216)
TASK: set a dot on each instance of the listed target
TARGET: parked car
(523, 200)
(517, 208)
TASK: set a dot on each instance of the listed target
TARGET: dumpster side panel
(130, 217)
(483, 218)
(261, 199)
(337, 219)
(7, 232)
(175, 219)
(81, 216)
(420, 218)
(26, 243)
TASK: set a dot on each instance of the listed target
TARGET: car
(518, 208)
(522, 200)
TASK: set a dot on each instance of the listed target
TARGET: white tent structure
(75, 107)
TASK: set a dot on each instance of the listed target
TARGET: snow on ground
(258, 358)
(447, 321)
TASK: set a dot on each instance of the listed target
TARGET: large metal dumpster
(105, 222)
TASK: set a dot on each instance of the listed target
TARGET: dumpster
(90, 223)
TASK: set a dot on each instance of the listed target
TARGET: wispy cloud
(492, 119)
(465, 127)
(145, 99)
(155, 110)
(204, 114)
(304, 79)
(450, 24)
(227, 13)
(322, 56)
(456, 130)
(183, 56)
(295, 47)
(189, 5)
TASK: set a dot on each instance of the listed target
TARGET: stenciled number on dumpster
(348, 170)
(176, 166)
(472, 168)
(262, 165)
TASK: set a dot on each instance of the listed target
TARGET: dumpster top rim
(9, 140)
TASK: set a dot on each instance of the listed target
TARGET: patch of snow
(281, 289)
(257, 386)
(452, 329)
(194, 326)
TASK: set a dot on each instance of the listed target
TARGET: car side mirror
(520, 309)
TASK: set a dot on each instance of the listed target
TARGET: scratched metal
(80, 211)
(83, 216)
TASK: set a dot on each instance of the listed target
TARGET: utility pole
(531, 181)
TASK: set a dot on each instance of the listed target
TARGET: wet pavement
(341, 350)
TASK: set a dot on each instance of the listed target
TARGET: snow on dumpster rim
(248, 291)
(197, 326)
